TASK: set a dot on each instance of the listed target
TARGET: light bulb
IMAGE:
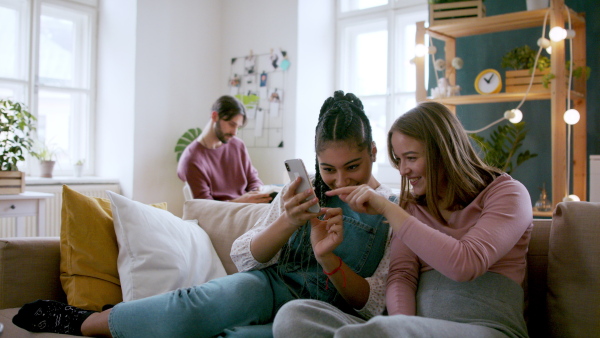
(432, 50)
(549, 50)
(571, 198)
(557, 34)
(571, 116)
(570, 33)
(543, 42)
(513, 115)
(420, 50)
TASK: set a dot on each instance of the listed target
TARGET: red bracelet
(339, 268)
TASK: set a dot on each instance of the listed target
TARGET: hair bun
(341, 99)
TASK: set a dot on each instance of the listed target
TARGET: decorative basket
(451, 12)
(517, 81)
(12, 182)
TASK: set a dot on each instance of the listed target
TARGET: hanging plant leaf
(188, 137)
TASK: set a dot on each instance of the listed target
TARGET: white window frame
(383, 170)
(83, 130)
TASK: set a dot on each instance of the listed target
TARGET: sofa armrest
(29, 270)
(574, 270)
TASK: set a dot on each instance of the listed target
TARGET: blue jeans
(245, 303)
(242, 304)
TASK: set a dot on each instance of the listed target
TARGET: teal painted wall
(486, 51)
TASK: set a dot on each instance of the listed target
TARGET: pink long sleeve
(490, 234)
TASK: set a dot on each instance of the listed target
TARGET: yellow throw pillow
(89, 251)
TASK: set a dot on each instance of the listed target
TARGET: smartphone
(295, 168)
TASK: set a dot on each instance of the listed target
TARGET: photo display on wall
(258, 80)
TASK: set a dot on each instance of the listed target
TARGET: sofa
(562, 284)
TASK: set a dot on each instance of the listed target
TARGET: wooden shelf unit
(449, 32)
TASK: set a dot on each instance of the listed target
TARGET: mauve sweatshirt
(490, 234)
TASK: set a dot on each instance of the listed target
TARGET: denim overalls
(245, 303)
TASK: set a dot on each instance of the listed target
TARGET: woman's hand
(296, 208)
(327, 234)
(361, 198)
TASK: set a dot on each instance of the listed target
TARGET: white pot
(537, 4)
(46, 168)
(78, 169)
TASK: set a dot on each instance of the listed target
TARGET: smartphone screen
(295, 168)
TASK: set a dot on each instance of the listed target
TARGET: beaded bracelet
(339, 268)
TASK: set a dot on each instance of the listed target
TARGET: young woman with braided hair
(460, 237)
(338, 256)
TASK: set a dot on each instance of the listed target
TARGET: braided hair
(342, 118)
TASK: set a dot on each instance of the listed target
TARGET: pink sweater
(490, 234)
(221, 174)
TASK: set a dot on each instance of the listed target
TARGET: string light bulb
(420, 50)
(543, 42)
(571, 116)
(570, 33)
(557, 34)
(513, 115)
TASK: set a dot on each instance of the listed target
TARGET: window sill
(69, 180)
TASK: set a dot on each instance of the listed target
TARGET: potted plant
(17, 126)
(578, 72)
(78, 167)
(47, 156)
(521, 60)
(503, 145)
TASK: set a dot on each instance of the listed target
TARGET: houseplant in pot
(520, 62)
(503, 145)
(17, 126)
(47, 156)
(78, 167)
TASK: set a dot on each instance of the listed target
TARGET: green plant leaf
(17, 126)
(503, 145)
(188, 137)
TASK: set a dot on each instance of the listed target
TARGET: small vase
(537, 4)
(78, 169)
(46, 168)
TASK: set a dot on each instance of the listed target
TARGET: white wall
(306, 30)
(159, 78)
(116, 84)
(316, 76)
(260, 26)
(163, 63)
(177, 48)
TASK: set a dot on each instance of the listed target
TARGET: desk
(25, 204)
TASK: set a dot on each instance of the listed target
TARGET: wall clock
(488, 81)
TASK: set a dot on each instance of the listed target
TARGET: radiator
(53, 207)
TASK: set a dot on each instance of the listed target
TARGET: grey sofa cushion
(574, 270)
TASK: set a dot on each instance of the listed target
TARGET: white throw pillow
(158, 251)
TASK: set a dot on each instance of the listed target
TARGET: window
(375, 48)
(48, 64)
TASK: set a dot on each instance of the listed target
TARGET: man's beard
(220, 135)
